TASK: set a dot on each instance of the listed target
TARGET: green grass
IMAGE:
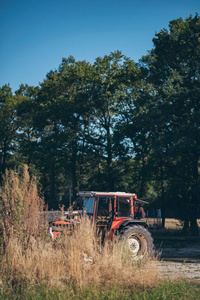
(168, 290)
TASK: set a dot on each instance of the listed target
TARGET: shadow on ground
(178, 255)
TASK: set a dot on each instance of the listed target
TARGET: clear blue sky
(36, 34)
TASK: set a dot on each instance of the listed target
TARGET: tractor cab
(110, 210)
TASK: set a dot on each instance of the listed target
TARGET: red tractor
(112, 213)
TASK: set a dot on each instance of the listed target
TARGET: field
(33, 266)
(75, 269)
(170, 223)
(179, 255)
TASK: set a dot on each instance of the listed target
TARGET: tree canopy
(114, 125)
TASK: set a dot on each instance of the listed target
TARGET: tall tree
(9, 127)
(27, 136)
(174, 70)
(113, 77)
(64, 104)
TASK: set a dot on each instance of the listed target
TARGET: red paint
(61, 223)
(117, 222)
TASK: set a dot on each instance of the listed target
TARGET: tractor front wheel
(137, 242)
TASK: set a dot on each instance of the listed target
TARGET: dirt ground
(180, 263)
(178, 255)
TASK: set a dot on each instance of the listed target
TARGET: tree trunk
(195, 198)
(162, 197)
(52, 189)
(3, 159)
(143, 179)
(110, 181)
(186, 225)
(194, 229)
(193, 211)
(74, 174)
(4, 155)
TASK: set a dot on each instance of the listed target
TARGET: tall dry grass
(30, 258)
(21, 207)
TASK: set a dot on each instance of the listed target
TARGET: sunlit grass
(30, 257)
(33, 266)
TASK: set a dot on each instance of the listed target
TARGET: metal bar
(115, 206)
(94, 214)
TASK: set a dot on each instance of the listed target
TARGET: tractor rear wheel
(137, 242)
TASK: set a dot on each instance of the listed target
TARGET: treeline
(114, 125)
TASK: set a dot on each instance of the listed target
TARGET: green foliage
(114, 125)
(174, 72)
(167, 290)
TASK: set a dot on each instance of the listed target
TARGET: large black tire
(137, 242)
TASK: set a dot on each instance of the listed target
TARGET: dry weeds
(29, 257)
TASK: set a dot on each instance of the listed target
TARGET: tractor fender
(129, 223)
